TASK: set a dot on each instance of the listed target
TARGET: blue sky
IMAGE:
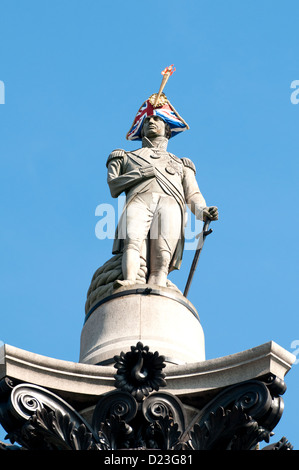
(75, 73)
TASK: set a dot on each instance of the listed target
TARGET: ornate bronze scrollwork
(137, 415)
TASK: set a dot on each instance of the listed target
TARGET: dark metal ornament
(137, 415)
(139, 371)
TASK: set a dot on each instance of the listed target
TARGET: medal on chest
(174, 167)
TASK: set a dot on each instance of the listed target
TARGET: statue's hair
(167, 130)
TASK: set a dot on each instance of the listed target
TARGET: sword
(202, 236)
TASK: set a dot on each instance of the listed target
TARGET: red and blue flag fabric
(165, 112)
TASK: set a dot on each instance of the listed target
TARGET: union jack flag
(165, 112)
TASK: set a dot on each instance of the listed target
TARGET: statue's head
(171, 121)
(154, 126)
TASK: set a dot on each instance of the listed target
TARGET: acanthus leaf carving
(136, 415)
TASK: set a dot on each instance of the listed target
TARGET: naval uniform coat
(176, 177)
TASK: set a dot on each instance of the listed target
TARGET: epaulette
(188, 163)
(176, 159)
(117, 153)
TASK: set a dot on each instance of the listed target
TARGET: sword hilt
(205, 231)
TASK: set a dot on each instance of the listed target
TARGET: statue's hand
(147, 171)
(210, 213)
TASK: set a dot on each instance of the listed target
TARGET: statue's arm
(193, 196)
(118, 178)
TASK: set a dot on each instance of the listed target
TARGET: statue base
(161, 317)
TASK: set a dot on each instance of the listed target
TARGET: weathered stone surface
(82, 384)
(160, 317)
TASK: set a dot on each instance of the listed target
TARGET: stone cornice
(78, 382)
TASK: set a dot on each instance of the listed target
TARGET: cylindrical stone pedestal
(161, 318)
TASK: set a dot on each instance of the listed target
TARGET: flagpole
(167, 72)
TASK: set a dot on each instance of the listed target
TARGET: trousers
(155, 217)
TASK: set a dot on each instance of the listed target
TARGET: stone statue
(158, 186)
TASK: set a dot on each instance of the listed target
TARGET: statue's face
(153, 126)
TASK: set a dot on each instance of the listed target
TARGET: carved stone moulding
(81, 384)
(136, 414)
